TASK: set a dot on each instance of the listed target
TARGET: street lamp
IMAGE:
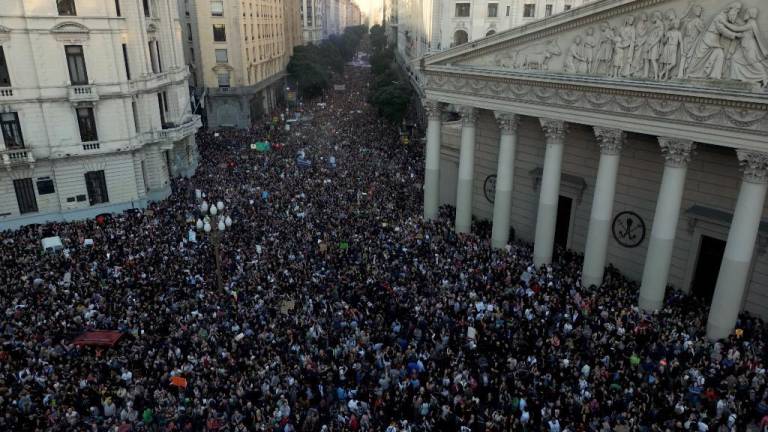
(214, 222)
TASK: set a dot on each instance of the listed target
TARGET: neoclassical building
(94, 107)
(634, 131)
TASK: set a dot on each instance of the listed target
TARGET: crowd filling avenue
(338, 308)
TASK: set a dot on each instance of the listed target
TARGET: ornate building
(238, 52)
(94, 107)
(314, 19)
(635, 131)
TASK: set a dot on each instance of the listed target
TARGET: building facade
(424, 27)
(239, 51)
(94, 108)
(652, 158)
(354, 17)
(314, 20)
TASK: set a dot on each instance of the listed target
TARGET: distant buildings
(421, 27)
(238, 52)
(94, 107)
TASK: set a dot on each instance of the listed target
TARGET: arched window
(491, 33)
(460, 37)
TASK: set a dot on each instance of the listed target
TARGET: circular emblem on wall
(628, 229)
(489, 187)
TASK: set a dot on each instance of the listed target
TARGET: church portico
(629, 151)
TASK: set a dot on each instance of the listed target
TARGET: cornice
(660, 90)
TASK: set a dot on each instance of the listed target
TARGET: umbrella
(260, 146)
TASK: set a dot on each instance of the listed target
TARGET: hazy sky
(367, 5)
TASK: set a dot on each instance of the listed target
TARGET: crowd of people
(342, 310)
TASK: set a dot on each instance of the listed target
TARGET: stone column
(505, 174)
(466, 171)
(596, 249)
(546, 218)
(734, 269)
(658, 258)
(432, 157)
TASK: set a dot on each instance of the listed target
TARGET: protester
(344, 311)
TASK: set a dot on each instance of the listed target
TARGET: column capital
(433, 109)
(468, 115)
(507, 122)
(610, 140)
(554, 130)
(676, 152)
(755, 165)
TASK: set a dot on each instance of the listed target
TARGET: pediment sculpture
(70, 32)
(675, 43)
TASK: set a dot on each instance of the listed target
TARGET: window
(66, 7)
(45, 186)
(508, 10)
(117, 8)
(154, 57)
(529, 10)
(219, 33)
(217, 8)
(78, 75)
(462, 9)
(125, 60)
(162, 108)
(25, 195)
(566, 7)
(87, 124)
(9, 122)
(96, 185)
(223, 78)
(5, 77)
(189, 32)
(135, 110)
(146, 8)
(460, 37)
(493, 10)
(548, 10)
(159, 57)
(221, 56)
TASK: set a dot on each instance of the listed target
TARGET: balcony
(6, 92)
(83, 93)
(16, 157)
(169, 135)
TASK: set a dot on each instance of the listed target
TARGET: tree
(392, 101)
(378, 38)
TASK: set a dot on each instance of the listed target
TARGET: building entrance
(563, 224)
(707, 268)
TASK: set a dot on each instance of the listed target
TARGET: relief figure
(707, 58)
(750, 55)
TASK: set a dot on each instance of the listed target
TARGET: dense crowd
(343, 311)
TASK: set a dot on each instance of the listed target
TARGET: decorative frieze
(676, 152)
(653, 103)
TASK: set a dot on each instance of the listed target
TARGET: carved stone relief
(673, 44)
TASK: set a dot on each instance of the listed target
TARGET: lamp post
(213, 222)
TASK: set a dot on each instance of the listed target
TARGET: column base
(499, 243)
(589, 280)
(650, 305)
(716, 332)
(431, 193)
(464, 206)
